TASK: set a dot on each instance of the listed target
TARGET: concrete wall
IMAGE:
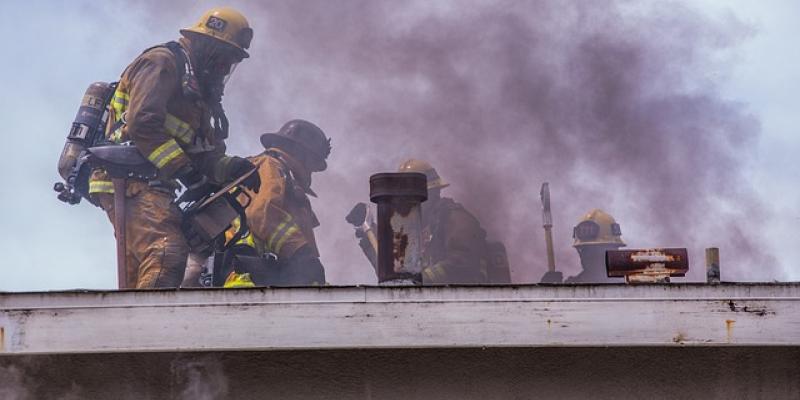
(732, 341)
(375, 317)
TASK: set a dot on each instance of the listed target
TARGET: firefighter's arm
(216, 164)
(267, 216)
(222, 168)
(462, 263)
(153, 80)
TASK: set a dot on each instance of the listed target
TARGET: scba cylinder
(88, 124)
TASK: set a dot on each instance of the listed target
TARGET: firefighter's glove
(240, 166)
(196, 184)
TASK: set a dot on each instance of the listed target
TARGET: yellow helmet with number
(597, 227)
(424, 167)
(224, 24)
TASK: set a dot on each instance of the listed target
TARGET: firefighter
(454, 246)
(594, 234)
(279, 217)
(164, 105)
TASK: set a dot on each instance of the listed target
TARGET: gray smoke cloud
(19, 381)
(13, 383)
(615, 103)
(199, 378)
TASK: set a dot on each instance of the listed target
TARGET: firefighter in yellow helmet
(279, 217)
(164, 104)
(596, 233)
(454, 246)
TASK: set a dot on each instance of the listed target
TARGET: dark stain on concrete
(759, 311)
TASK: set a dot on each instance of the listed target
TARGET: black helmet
(308, 136)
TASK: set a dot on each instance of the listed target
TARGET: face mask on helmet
(220, 63)
(586, 231)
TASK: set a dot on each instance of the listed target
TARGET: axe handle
(119, 225)
(372, 239)
(551, 258)
(369, 245)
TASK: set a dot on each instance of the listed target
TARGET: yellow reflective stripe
(120, 102)
(278, 230)
(121, 99)
(169, 157)
(289, 232)
(116, 136)
(247, 240)
(121, 96)
(235, 280)
(165, 153)
(101, 187)
(178, 129)
(173, 126)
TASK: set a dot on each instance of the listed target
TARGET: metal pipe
(547, 224)
(712, 265)
(551, 276)
(399, 196)
(119, 227)
(551, 258)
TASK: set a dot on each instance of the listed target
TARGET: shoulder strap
(285, 171)
(177, 50)
(181, 61)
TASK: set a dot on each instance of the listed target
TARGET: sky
(54, 49)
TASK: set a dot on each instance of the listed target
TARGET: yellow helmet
(597, 227)
(414, 165)
(224, 24)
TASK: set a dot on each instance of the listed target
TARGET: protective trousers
(156, 249)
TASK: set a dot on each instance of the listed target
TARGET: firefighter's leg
(156, 240)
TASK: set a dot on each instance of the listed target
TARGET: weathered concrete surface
(371, 317)
(508, 373)
(732, 341)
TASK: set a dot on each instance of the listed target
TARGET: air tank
(88, 124)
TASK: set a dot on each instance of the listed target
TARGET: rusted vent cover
(398, 184)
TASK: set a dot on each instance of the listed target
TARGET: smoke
(189, 376)
(199, 378)
(616, 104)
(13, 383)
(20, 381)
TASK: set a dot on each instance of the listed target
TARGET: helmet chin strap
(220, 120)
